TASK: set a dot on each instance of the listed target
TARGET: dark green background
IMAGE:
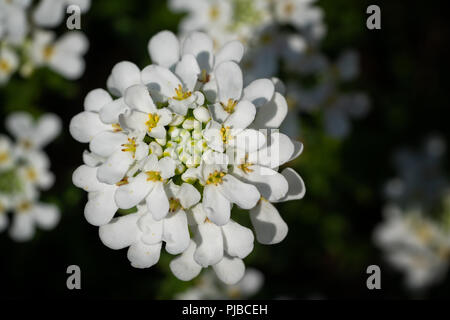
(404, 71)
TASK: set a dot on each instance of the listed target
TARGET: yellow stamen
(207, 220)
(225, 133)
(174, 204)
(204, 77)
(245, 167)
(4, 156)
(153, 176)
(5, 66)
(27, 144)
(24, 206)
(289, 8)
(116, 127)
(48, 52)
(130, 146)
(214, 12)
(180, 94)
(122, 182)
(152, 121)
(31, 174)
(229, 107)
(215, 178)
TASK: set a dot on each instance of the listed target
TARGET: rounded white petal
(125, 74)
(22, 227)
(164, 49)
(138, 98)
(46, 215)
(160, 81)
(120, 232)
(115, 167)
(209, 244)
(101, 207)
(107, 142)
(229, 81)
(259, 92)
(142, 255)
(269, 227)
(231, 51)
(176, 232)
(230, 270)
(297, 187)
(157, 202)
(216, 206)
(96, 99)
(129, 195)
(184, 266)
(200, 45)
(243, 115)
(188, 195)
(238, 240)
(188, 70)
(85, 177)
(272, 114)
(243, 194)
(86, 125)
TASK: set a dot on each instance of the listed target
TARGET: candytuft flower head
(24, 172)
(173, 147)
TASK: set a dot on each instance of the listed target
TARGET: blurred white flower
(177, 162)
(9, 62)
(13, 20)
(208, 288)
(50, 13)
(24, 172)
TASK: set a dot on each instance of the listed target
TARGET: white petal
(49, 13)
(196, 215)
(66, 64)
(22, 227)
(72, 43)
(229, 81)
(19, 124)
(209, 244)
(167, 167)
(243, 194)
(85, 177)
(269, 227)
(188, 70)
(238, 240)
(107, 142)
(188, 195)
(296, 185)
(244, 114)
(142, 255)
(272, 114)
(115, 167)
(46, 215)
(129, 195)
(184, 266)
(176, 232)
(249, 140)
(101, 207)
(120, 232)
(200, 45)
(160, 80)
(48, 128)
(164, 49)
(111, 112)
(230, 270)
(216, 206)
(86, 125)
(125, 74)
(152, 229)
(157, 202)
(96, 99)
(259, 92)
(231, 51)
(138, 98)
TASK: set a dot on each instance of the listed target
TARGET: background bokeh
(404, 70)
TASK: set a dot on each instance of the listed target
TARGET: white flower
(50, 13)
(64, 55)
(13, 20)
(159, 152)
(24, 172)
(9, 63)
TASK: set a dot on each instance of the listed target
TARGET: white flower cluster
(182, 142)
(284, 36)
(415, 236)
(26, 45)
(24, 172)
(208, 288)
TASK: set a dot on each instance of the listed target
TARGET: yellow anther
(215, 178)
(5, 66)
(122, 182)
(180, 94)
(174, 204)
(48, 52)
(153, 176)
(214, 12)
(31, 174)
(27, 144)
(152, 121)
(4, 156)
(245, 167)
(116, 127)
(24, 206)
(207, 220)
(229, 107)
(225, 133)
(130, 146)
(289, 8)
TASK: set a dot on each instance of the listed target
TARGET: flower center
(152, 121)
(180, 94)
(24, 206)
(130, 146)
(5, 66)
(4, 156)
(31, 174)
(116, 127)
(229, 107)
(289, 8)
(215, 178)
(174, 204)
(225, 133)
(245, 167)
(214, 12)
(27, 144)
(153, 176)
(48, 52)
